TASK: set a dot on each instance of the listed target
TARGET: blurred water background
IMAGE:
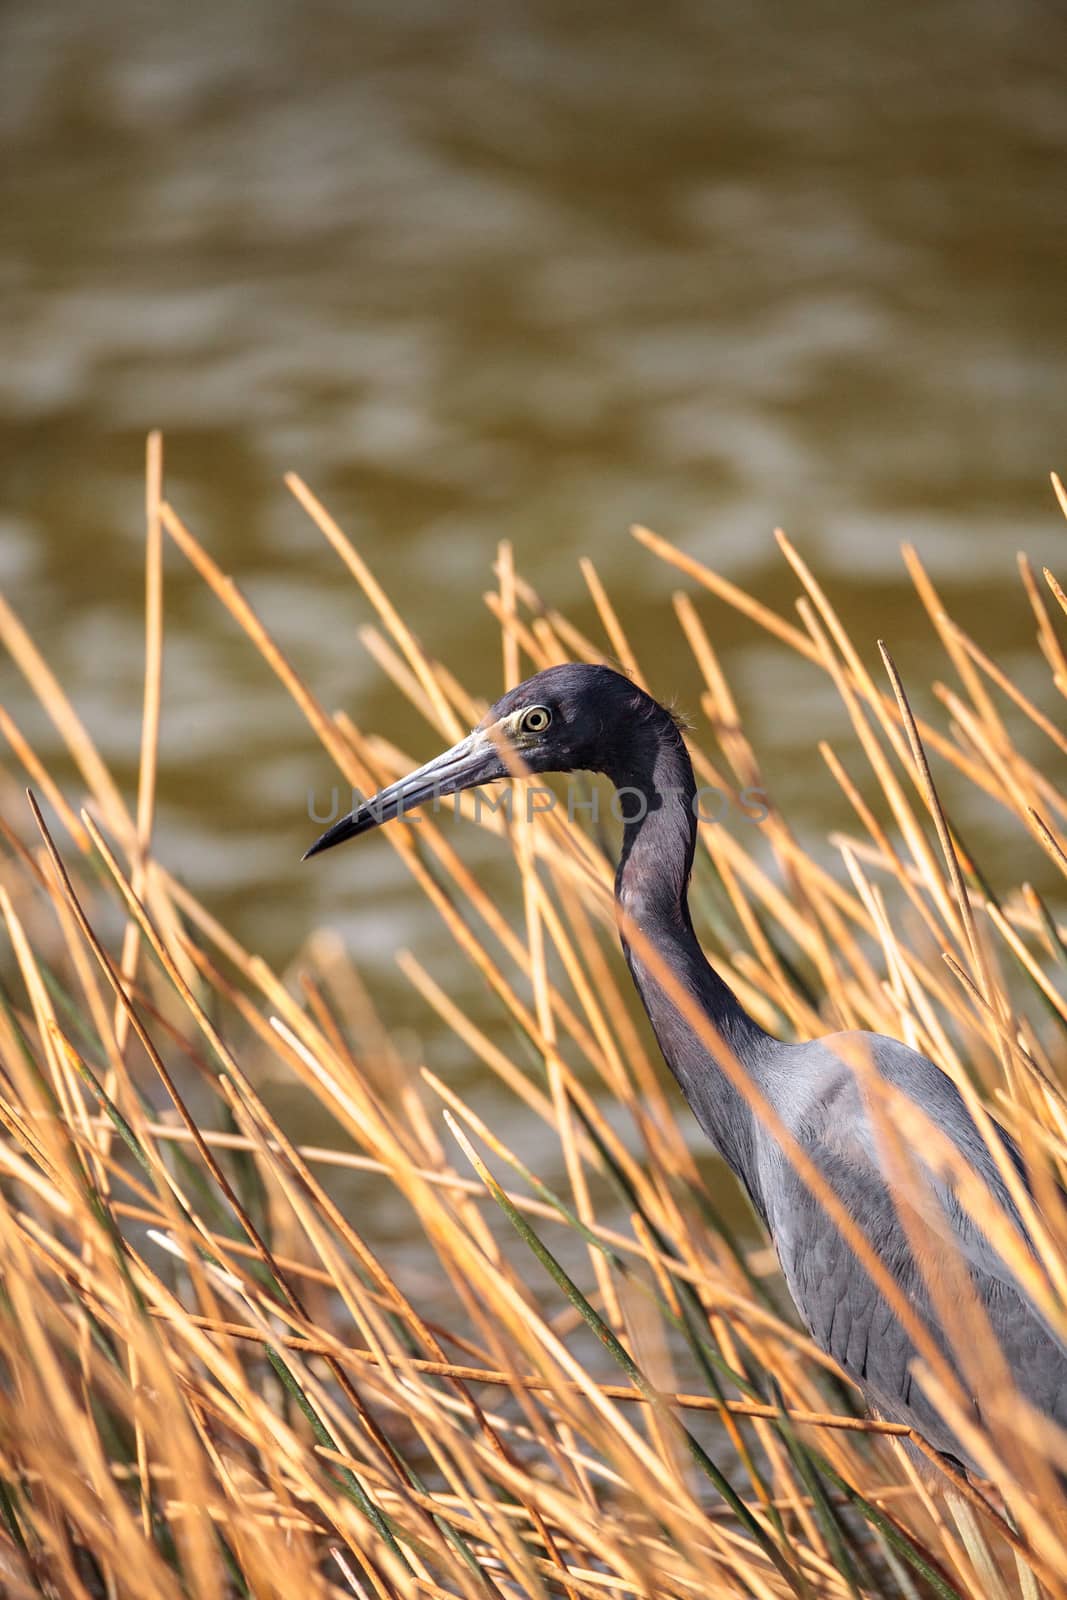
(530, 271)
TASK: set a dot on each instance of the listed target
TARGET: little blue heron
(591, 718)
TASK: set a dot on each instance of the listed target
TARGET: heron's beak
(476, 759)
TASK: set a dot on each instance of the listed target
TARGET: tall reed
(211, 1381)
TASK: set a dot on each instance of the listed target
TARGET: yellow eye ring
(535, 719)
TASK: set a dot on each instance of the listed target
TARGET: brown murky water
(532, 271)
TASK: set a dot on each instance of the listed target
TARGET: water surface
(523, 271)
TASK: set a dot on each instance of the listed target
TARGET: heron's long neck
(652, 891)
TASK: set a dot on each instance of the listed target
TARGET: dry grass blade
(227, 1387)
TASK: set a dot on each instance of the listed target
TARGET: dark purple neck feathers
(657, 794)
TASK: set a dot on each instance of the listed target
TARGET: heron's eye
(535, 719)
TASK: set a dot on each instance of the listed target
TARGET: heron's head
(571, 718)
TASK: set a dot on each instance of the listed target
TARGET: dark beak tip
(337, 834)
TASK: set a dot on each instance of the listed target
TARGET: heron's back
(844, 1311)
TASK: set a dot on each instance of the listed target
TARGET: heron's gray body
(590, 718)
(844, 1311)
(818, 1097)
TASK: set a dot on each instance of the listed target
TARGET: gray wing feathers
(843, 1310)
